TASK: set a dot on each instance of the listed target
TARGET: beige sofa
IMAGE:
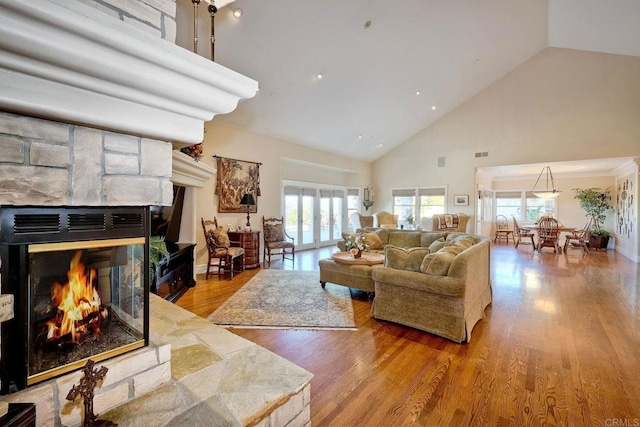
(448, 305)
(360, 276)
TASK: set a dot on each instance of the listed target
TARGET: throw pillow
(274, 233)
(438, 263)
(221, 237)
(404, 259)
(464, 242)
(373, 241)
(404, 239)
(437, 245)
(345, 236)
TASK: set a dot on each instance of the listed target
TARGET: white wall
(560, 105)
(300, 164)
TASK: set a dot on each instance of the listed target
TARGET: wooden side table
(250, 242)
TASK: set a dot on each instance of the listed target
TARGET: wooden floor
(560, 346)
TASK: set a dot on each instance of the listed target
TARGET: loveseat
(438, 282)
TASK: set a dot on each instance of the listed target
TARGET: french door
(313, 216)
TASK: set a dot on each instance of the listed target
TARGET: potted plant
(409, 219)
(595, 202)
(157, 252)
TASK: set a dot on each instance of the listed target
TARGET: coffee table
(343, 269)
(365, 259)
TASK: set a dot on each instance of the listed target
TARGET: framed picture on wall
(461, 200)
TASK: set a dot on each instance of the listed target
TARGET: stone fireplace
(80, 288)
(94, 100)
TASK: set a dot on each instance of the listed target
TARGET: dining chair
(519, 233)
(580, 236)
(548, 234)
(276, 239)
(502, 229)
(219, 250)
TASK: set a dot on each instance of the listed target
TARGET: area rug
(285, 299)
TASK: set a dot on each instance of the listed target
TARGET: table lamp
(248, 201)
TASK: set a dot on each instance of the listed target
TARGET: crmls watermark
(622, 422)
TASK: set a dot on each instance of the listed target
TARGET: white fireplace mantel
(188, 172)
(64, 61)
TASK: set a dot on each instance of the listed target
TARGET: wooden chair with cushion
(548, 234)
(580, 236)
(219, 250)
(276, 239)
(502, 229)
(519, 233)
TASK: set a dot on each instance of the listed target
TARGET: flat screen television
(165, 220)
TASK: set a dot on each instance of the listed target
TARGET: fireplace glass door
(85, 300)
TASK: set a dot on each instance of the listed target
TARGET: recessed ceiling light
(379, 145)
(359, 136)
(319, 76)
(367, 24)
(433, 108)
(418, 92)
(237, 13)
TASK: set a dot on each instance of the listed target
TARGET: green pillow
(373, 241)
(438, 263)
(464, 242)
(437, 245)
(404, 259)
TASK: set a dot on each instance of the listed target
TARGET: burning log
(79, 310)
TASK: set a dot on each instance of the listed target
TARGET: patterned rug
(284, 299)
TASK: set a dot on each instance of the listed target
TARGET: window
(537, 207)
(353, 202)
(404, 203)
(429, 202)
(509, 204)
(523, 205)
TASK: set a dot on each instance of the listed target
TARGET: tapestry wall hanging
(234, 179)
(625, 204)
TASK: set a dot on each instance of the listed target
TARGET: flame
(78, 303)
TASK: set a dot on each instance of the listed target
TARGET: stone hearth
(193, 373)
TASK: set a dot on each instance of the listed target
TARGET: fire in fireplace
(80, 288)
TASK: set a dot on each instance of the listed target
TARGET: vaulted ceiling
(360, 77)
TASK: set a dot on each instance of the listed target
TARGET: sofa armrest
(419, 281)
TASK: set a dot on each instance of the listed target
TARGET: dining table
(561, 229)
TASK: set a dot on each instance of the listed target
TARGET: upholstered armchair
(449, 222)
(360, 221)
(386, 219)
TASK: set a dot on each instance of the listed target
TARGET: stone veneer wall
(157, 17)
(51, 163)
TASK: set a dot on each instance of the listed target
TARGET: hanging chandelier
(547, 193)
